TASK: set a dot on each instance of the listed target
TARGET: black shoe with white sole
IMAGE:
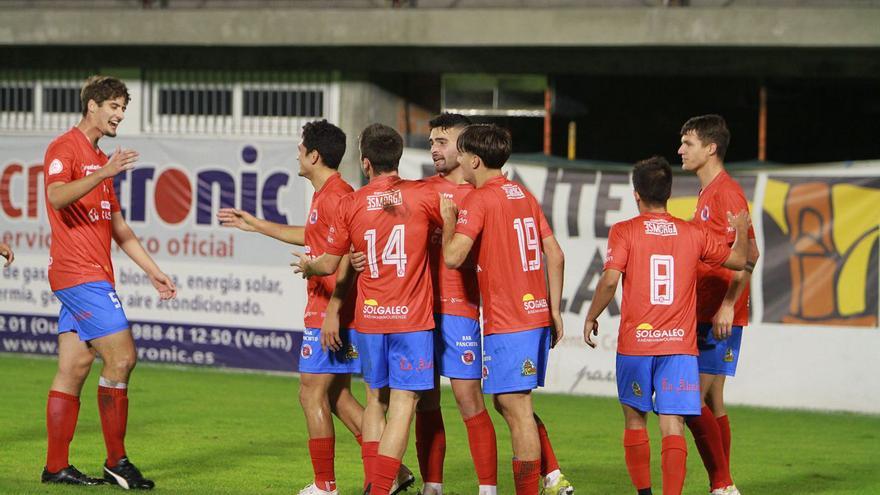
(70, 476)
(127, 476)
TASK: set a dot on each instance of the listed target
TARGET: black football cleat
(70, 476)
(127, 476)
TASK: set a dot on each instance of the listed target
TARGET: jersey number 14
(392, 254)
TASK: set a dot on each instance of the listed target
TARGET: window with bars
(282, 103)
(197, 102)
(59, 99)
(16, 99)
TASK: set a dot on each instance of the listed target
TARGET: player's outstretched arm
(125, 238)
(740, 250)
(309, 267)
(242, 220)
(605, 290)
(555, 276)
(63, 194)
(7, 253)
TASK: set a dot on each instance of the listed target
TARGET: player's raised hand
(330, 332)
(301, 264)
(7, 253)
(165, 286)
(358, 261)
(448, 210)
(591, 329)
(240, 219)
(740, 222)
(121, 161)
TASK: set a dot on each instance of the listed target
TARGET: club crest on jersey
(704, 213)
(513, 191)
(306, 351)
(528, 368)
(313, 217)
(385, 199)
(352, 353)
(468, 357)
(660, 227)
(485, 371)
(55, 167)
(728, 356)
(637, 390)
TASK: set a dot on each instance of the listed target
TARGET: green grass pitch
(198, 431)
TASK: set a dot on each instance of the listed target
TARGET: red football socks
(673, 457)
(322, 451)
(369, 451)
(62, 411)
(707, 436)
(484, 449)
(724, 426)
(384, 474)
(113, 407)
(430, 445)
(548, 457)
(526, 475)
(637, 450)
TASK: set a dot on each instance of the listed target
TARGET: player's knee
(121, 364)
(75, 370)
(470, 405)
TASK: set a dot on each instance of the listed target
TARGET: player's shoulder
(64, 142)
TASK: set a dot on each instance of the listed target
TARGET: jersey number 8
(662, 281)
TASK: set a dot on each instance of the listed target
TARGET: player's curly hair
(101, 89)
(327, 139)
(652, 179)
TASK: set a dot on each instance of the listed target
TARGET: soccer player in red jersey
(391, 220)
(457, 341)
(521, 317)
(657, 255)
(84, 215)
(325, 375)
(722, 294)
(7, 253)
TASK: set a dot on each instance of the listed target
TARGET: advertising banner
(812, 341)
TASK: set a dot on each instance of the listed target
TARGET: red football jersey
(391, 220)
(321, 216)
(723, 194)
(658, 255)
(82, 231)
(507, 224)
(455, 291)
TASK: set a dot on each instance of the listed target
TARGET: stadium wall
(814, 307)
